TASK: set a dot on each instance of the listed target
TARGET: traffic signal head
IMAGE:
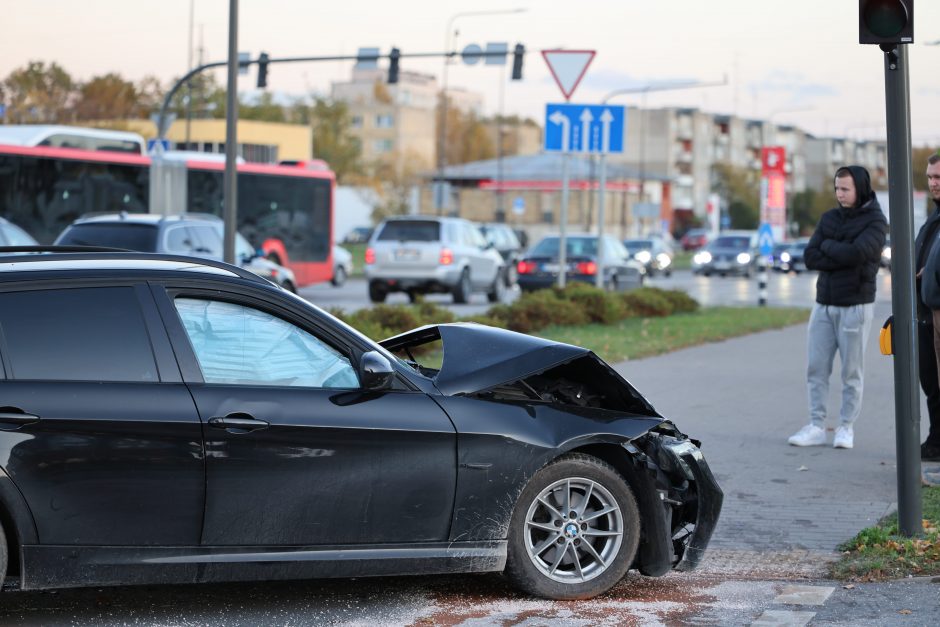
(518, 55)
(393, 57)
(885, 21)
(262, 70)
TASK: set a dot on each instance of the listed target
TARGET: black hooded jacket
(923, 246)
(846, 247)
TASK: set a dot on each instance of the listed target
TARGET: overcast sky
(778, 56)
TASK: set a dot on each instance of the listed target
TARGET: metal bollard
(762, 283)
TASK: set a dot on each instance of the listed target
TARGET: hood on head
(864, 194)
(505, 365)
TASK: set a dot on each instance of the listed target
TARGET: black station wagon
(168, 419)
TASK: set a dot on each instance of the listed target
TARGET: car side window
(178, 241)
(208, 240)
(79, 334)
(240, 345)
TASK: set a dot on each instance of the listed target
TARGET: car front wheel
(377, 292)
(574, 531)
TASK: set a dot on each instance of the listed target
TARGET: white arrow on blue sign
(765, 239)
(584, 128)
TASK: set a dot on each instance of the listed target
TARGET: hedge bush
(576, 304)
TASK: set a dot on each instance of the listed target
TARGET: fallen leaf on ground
(905, 612)
(802, 468)
(850, 586)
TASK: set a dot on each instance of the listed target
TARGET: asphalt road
(789, 290)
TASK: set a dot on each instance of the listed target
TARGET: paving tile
(804, 595)
(783, 618)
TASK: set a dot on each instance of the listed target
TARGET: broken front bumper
(680, 522)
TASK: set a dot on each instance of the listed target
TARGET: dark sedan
(170, 419)
(540, 266)
(653, 253)
(732, 252)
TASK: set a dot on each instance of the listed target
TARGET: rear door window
(411, 231)
(81, 334)
(139, 237)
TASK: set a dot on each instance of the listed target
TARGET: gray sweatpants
(845, 329)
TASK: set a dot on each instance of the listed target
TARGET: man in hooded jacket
(926, 329)
(846, 249)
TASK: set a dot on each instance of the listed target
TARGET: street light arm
(161, 120)
(662, 87)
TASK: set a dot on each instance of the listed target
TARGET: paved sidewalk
(786, 508)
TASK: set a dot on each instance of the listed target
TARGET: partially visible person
(846, 250)
(927, 330)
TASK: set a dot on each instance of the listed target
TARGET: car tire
(290, 287)
(511, 275)
(377, 292)
(463, 288)
(498, 289)
(554, 556)
(668, 273)
(3, 556)
(273, 258)
(339, 276)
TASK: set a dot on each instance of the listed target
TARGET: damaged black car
(173, 420)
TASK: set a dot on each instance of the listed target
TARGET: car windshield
(574, 247)
(636, 245)
(411, 230)
(732, 241)
(138, 237)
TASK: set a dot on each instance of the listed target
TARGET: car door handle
(238, 423)
(11, 419)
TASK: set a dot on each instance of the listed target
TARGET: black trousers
(929, 383)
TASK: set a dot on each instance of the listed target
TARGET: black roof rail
(38, 253)
(38, 248)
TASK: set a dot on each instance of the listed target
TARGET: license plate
(407, 254)
(550, 267)
(722, 265)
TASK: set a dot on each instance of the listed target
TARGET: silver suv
(420, 255)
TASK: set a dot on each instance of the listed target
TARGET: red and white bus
(285, 209)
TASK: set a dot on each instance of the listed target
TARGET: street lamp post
(442, 133)
(602, 187)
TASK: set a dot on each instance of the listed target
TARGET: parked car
(428, 254)
(791, 260)
(12, 235)
(694, 239)
(654, 253)
(358, 235)
(342, 266)
(539, 267)
(198, 235)
(732, 252)
(169, 419)
(504, 240)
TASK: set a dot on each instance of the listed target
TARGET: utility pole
(230, 182)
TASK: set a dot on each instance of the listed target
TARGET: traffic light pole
(900, 193)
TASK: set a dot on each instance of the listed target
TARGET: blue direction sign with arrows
(765, 239)
(584, 128)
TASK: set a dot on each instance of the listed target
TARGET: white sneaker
(845, 437)
(810, 435)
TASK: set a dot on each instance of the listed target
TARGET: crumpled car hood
(480, 358)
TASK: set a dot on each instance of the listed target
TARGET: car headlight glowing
(643, 256)
(785, 257)
(663, 260)
(744, 258)
(886, 253)
(702, 257)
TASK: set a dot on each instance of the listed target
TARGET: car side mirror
(375, 372)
